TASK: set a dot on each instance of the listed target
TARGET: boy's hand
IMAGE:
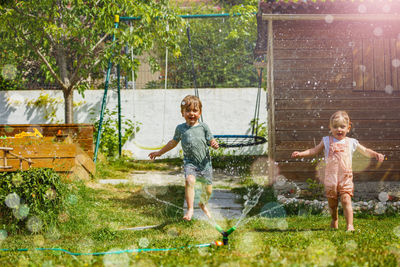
(153, 155)
(214, 144)
(296, 154)
(379, 157)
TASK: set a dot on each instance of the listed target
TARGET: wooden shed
(324, 56)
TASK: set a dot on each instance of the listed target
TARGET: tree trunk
(67, 88)
(69, 100)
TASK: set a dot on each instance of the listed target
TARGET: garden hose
(111, 252)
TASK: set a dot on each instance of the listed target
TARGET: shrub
(34, 197)
(109, 133)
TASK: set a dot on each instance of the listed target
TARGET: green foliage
(48, 104)
(260, 128)
(70, 42)
(105, 234)
(109, 133)
(37, 192)
(222, 51)
(314, 190)
(8, 84)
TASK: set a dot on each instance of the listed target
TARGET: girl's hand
(379, 157)
(214, 144)
(296, 154)
(153, 155)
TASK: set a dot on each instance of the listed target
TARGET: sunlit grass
(94, 223)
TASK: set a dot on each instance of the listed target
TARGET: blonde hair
(191, 101)
(338, 115)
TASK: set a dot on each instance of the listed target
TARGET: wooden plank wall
(80, 133)
(314, 76)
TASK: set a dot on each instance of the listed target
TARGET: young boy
(195, 137)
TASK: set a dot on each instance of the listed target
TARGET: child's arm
(370, 153)
(309, 152)
(214, 144)
(170, 145)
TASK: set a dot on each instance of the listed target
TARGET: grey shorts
(203, 176)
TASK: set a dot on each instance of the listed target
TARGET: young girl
(338, 180)
(195, 136)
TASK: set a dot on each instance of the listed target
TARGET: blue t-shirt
(195, 141)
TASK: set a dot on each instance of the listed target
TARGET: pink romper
(338, 171)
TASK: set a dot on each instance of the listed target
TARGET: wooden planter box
(68, 149)
(81, 134)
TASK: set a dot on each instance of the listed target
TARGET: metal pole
(103, 103)
(119, 111)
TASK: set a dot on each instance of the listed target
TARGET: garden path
(223, 203)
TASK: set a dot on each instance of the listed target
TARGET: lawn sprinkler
(225, 234)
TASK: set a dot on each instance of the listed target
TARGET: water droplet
(362, 9)
(72, 199)
(273, 210)
(383, 196)
(9, 72)
(12, 201)
(173, 232)
(21, 212)
(63, 217)
(386, 8)
(396, 62)
(328, 18)
(389, 89)
(50, 194)
(17, 179)
(280, 180)
(378, 31)
(351, 245)
(143, 242)
(321, 252)
(38, 240)
(116, 259)
(34, 224)
(396, 231)
(53, 234)
(3, 235)
(380, 208)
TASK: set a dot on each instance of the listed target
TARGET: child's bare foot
(188, 215)
(205, 210)
(334, 224)
(350, 228)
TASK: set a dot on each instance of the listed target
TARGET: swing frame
(117, 20)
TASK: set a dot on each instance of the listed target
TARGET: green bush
(109, 133)
(33, 198)
(8, 84)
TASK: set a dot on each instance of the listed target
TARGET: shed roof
(331, 6)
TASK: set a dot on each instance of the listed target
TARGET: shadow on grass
(162, 204)
(287, 230)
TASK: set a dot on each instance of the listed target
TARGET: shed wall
(315, 69)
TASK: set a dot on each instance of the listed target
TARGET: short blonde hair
(191, 101)
(338, 115)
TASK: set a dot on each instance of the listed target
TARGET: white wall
(226, 111)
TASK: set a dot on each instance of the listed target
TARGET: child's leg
(189, 195)
(333, 208)
(205, 196)
(347, 210)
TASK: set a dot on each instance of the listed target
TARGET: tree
(222, 50)
(72, 39)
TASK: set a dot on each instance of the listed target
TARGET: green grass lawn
(99, 211)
